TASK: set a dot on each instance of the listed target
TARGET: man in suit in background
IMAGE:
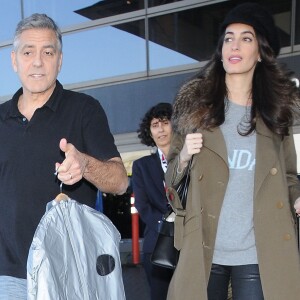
(149, 190)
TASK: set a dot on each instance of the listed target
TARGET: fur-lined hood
(186, 110)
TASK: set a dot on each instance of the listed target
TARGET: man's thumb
(63, 145)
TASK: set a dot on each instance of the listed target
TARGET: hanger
(61, 196)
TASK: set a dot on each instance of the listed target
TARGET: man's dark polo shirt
(28, 153)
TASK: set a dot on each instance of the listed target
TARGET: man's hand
(108, 176)
(71, 170)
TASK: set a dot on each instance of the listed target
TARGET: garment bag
(74, 255)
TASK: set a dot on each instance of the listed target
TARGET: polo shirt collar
(52, 103)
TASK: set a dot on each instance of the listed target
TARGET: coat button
(201, 210)
(273, 171)
(287, 237)
(200, 177)
(279, 204)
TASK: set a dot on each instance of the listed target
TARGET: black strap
(182, 187)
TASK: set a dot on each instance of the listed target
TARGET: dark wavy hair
(160, 111)
(275, 97)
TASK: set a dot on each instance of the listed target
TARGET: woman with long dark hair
(235, 119)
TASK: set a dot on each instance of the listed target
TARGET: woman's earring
(259, 60)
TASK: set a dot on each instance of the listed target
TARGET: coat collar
(214, 140)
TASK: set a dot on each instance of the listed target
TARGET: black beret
(259, 18)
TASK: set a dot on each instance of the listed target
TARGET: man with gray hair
(46, 129)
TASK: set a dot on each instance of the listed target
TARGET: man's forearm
(108, 176)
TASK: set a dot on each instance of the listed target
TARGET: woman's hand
(297, 206)
(192, 145)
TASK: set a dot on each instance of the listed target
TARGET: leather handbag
(164, 253)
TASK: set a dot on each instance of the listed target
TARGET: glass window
(10, 15)
(160, 2)
(183, 37)
(67, 13)
(297, 26)
(62, 12)
(281, 10)
(9, 79)
(103, 52)
(107, 8)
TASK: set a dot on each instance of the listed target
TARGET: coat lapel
(157, 172)
(214, 140)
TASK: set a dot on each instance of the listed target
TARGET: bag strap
(176, 202)
(186, 184)
(178, 206)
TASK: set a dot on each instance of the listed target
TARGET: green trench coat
(276, 188)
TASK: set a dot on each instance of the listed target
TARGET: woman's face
(240, 52)
(161, 131)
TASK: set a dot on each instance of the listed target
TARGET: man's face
(37, 60)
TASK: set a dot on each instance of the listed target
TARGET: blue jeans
(245, 282)
(12, 288)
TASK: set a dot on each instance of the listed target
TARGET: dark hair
(274, 95)
(160, 111)
(259, 18)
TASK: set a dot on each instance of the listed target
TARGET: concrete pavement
(134, 276)
(135, 283)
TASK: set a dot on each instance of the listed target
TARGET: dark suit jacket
(150, 196)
